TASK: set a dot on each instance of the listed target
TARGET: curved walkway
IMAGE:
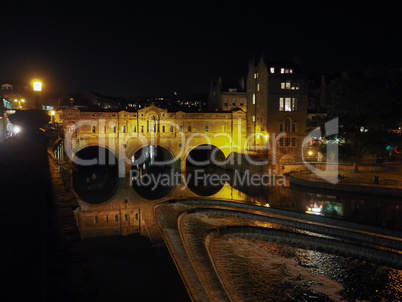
(376, 183)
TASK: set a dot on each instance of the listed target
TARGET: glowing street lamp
(37, 85)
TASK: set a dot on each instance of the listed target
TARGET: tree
(367, 105)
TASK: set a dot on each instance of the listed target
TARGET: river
(249, 266)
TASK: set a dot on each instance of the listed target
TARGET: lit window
(206, 128)
(253, 118)
(258, 87)
(282, 70)
(272, 69)
(253, 98)
(287, 104)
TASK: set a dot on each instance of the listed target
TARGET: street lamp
(37, 85)
(19, 102)
(37, 88)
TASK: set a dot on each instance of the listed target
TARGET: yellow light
(23, 100)
(37, 85)
(52, 112)
(266, 136)
(15, 100)
(310, 153)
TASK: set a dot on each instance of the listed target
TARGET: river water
(251, 267)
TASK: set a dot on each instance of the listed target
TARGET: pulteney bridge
(175, 134)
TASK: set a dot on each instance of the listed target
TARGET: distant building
(276, 109)
(18, 94)
(227, 96)
(89, 100)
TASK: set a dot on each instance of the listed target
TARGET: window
(280, 127)
(134, 128)
(287, 104)
(287, 125)
(253, 98)
(286, 70)
(287, 142)
(180, 128)
(288, 85)
(281, 142)
(272, 69)
(206, 128)
(293, 142)
(93, 130)
(163, 129)
(123, 129)
(293, 127)
(171, 128)
(253, 118)
(142, 129)
(189, 128)
(71, 129)
(114, 129)
(234, 103)
(258, 87)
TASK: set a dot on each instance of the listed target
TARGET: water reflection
(149, 177)
(95, 183)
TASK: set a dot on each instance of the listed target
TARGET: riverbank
(386, 183)
(42, 254)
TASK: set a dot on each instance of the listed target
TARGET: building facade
(227, 96)
(276, 109)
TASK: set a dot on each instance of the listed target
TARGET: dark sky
(133, 48)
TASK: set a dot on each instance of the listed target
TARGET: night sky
(132, 48)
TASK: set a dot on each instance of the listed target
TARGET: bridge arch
(96, 180)
(202, 151)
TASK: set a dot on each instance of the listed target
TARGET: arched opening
(205, 155)
(152, 172)
(205, 168)
(95, 176)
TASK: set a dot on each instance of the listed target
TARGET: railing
(357, 181)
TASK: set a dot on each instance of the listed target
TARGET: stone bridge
(175, 134)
